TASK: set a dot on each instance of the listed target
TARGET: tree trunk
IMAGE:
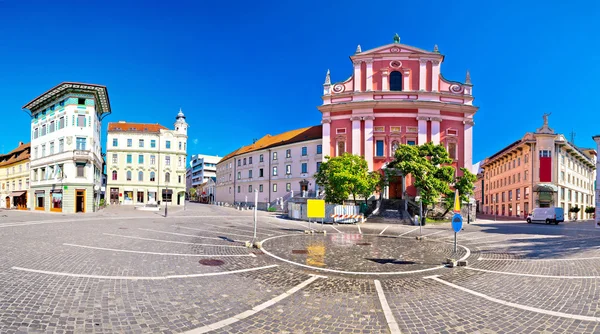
(354, 197)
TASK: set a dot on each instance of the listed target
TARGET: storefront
(151, 196)
(56, 200)
(128, 196)
(40, 200)
(19, 200)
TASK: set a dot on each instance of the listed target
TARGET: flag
(456, 202)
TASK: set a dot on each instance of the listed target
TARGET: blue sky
(242, 69)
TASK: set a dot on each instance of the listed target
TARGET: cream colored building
(276, 166)
(14, 178)
(542, 169)
(146, 163)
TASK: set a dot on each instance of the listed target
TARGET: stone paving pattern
(32, 302)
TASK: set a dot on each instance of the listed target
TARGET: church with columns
(397, 95)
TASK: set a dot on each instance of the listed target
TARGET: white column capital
(422, 118)
(369, 118)
(356, 62)
(436, 119)
(468, 122)
(325, 121)
(368, 61)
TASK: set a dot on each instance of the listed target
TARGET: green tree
(345, 176)
(429, 166)
(590, 209)
(192, 193)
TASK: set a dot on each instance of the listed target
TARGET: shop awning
(17, 193)
(545, 188)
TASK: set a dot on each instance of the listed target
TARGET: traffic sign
(457, 222)
(316, 208)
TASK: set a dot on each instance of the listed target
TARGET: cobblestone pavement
(126, 271)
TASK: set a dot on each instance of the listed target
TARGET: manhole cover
(211, 262)
(299, 251)
(364, 244)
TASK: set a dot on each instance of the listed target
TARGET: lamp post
(166, 196)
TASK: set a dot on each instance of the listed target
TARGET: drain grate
(123, 228)
(211, 262)
(299, 251)
(364, 244)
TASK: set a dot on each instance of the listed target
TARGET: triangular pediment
(394, 48)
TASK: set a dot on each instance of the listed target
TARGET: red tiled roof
(290, 137)
(21, 153)
(135, 127)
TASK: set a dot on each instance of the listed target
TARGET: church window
(396, 81)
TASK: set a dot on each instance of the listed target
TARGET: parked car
(550, 215)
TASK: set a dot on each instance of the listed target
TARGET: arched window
(114, 175)
(140, 176)
(395, 80)
(167, 177)
(152, 177)
(395, 146)
(128, 175)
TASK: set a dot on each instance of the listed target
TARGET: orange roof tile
(135, 127)
(21, 153)
(290, 137)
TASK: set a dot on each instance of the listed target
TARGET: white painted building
(276, 166)
(146, 162)
(66, 160)
(203, 167)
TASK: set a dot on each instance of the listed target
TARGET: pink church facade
(397, 95)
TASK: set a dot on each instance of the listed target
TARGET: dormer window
(396, 81)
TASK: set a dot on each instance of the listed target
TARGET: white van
(548, 215)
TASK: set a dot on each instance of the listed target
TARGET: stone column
(468, 144)
(406, 79)
(369, 141)
(435, 130)
(385, 83)
(422, 129)
(435, 75)
(326, 142)
(356, 144)
(369, 63)
(423, 75)
(357, 75)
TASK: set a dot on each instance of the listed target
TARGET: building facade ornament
(545, 128)
(358, 49)
(328, 78)
(356, 62)
(326, 121)
(469, 122)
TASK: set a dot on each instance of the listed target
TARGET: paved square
(127, 271)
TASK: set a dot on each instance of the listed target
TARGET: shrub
(271, 209)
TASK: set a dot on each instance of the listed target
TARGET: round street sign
(457, 222)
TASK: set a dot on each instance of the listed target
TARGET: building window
(153, 143)
(288, 153)
(140, 159)
(81, 101)
(80, 142)
(179, 161)
(396, 81)
(452, 150)
(39, 203)
(239, 162)
(341, 148)
(51, 128)
(318, 166)
(43, 150)
(168, 143)
(275, 171)
(141, 143)
(239, 176)
(304, 168)
(260, 172)
(168, 160)
(239, 190)
(274, 155)
(304, 151)
(274, 187)
(526, 193)
(80, 121)
(115, 142)
(525, 175)
(51, 147)
(288, 187)
(61, 123)
(411, 142)
(114, 158)
(128, 175)
(152, 159)
(129, 158)
(518, 194)
(167, 177)
(260, 188)
(180, 145)
(80, 170)
(288, 169)
(152, 176)
(250, 174)
(379, 148)
(319, 149)
(244, 161)
(114, 175)
(261, 158)
(249, 188)
(140, 176)
(35, 133)
(43, 130)
(250, 161)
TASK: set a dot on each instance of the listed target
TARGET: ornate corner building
(66, 161)
(397, 95)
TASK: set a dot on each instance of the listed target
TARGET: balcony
(82, 155)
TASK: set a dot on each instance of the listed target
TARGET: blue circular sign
(457, 222)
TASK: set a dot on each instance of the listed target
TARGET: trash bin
(363, 208)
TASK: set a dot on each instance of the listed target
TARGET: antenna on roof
(572, 135)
